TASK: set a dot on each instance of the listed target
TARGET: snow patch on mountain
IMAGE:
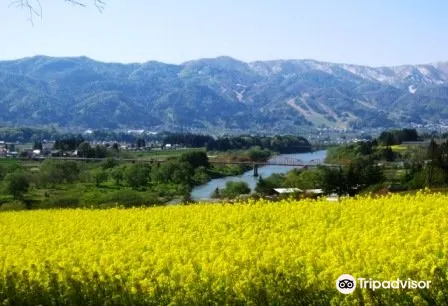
(371, 74)
(425, 71)
(325, 67)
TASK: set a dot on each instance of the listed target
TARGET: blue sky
(376, 33)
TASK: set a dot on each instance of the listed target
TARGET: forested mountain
(219, 93)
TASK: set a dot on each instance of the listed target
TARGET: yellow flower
(205, 254)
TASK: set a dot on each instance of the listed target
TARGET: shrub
(13, 205)
(124, 197)
(100, 176)
(137, 175)
(17, 184)
(61, 202)
(234, 189)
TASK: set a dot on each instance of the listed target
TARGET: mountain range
(219, 94)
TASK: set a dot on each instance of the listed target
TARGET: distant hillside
(219, 93)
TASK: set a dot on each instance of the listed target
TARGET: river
(203, 192)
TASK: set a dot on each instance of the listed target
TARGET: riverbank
(203, 192)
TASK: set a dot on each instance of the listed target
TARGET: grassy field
(392, 174)
(164, 154)
(399, 148)
(254, 253)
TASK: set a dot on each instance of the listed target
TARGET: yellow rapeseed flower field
(255, 253)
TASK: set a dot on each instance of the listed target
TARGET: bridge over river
(278, 164)
(278, 161)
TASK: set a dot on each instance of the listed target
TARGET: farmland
(252, 253)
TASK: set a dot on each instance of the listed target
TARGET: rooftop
(287, 190)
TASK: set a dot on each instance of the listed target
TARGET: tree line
(428, 167)
(280, 144)
(396, 137)
(71, 142)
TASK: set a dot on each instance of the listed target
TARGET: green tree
(200, 176)
(256, 154)
(262, 187)
(394, 137)
(438, 176)
(443, 157)
(17, 184)
(137, 175)
(117, 174)
(415, 179)
(303, 179)
(196, 159)
(58, 172)
(334, 181)
(100, 151)
(433, 154)
(85, 150)
(68, 143)
(185, 191)
(234, 189)
(365, 148)
(388, 139)
(388, 154)
(100, 176)
(372, 174)
(266, 185)
(8, 167)
(216, 193)
(109, 163)
(175, 172)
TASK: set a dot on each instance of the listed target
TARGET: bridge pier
(255, 170)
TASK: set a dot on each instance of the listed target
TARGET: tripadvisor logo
(346, 284)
